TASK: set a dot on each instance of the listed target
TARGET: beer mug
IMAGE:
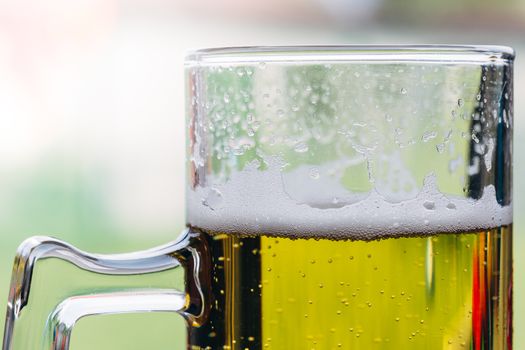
(353, 197)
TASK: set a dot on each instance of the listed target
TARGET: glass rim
(459, 54)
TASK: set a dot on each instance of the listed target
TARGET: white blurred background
(92, 108)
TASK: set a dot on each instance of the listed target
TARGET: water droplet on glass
(213, 199)
(451, 206)
(301, 147)
(428, 135)
(314, 173)
(430, 205)
(461, 102)
(262, 65)
(388, 117)
(226, 98)
(403, 91)
(240, 72)
(440, 148)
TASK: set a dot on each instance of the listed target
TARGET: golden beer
(445, 291)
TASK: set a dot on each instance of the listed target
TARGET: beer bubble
(287, 202)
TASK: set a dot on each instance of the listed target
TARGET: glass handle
(60, 322)
(67, 313)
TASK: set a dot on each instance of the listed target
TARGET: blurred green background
(92, 117)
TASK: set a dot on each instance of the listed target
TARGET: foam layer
(256, 202)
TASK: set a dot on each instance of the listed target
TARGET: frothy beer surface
(274, 202)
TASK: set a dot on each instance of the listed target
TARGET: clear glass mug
(337, 197)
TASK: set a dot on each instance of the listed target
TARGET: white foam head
(268, 202)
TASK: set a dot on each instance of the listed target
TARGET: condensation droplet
(238, 151)
(429, 135)
(301, 147)
(440, 148)
(451, 206)
(430, 205)
(240, 72)
(461, 102)
(403, 91)
(213, 199)
(314, 173)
